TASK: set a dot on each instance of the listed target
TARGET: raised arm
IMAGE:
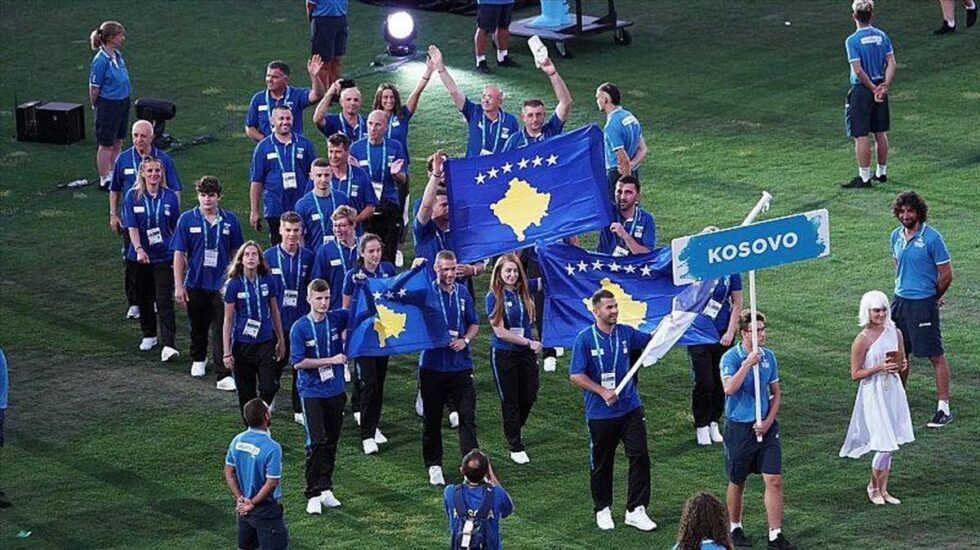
(320, 114)
(561, 90)
(313, 67)
(429, 195)
(447, 80)
(413, 100)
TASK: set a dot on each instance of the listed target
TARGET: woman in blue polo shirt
(252, 336)
(150, 212)
(510, 308)
(109, 89)
(703, 525)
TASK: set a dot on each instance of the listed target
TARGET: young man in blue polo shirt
(872, 61)
(328, 35)
(635, 230)
(624, 143)
(316, 206)
(338, 255)
(479, 497)
(536, 129)
(317, 354)
(744, 453)
(600, 360)
(923, 273)
(206, 239)
(253, 469)
(278, 92)
(350, 180)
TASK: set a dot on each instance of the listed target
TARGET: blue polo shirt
(251, 299)
(871, 47)
(520, 140)
(110, 76)
(270, 160)
(263, 103)
(194, 235)
(333, 261)
(316, 212)
(127, 168)
(335, 122)
(595, 353)
(706, 544)
(473, 496)
(398, 129)
(429, 239)
(916, 259)
(723, 291)
(515, 316)
(357, 186)
(318, 340)
(485, 136)
(376, 160)
(146, 213)
(459, 312)
(642, 226)
(328, 8)
(358, 274)
(256, 457)
(622, 131)
(292, 273)
(495, 2)
(741, 406)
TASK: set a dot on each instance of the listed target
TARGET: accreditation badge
(378, 188)
(609, 380)
(290, 298)
(154, 236)
(289, 180)
(620, 251)
(326, 374)
(711, 310)
(252, 328)
(210, 257)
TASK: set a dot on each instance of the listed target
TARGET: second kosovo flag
(542, 192)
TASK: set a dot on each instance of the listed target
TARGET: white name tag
(195, 229)
(128, 171)
(378, 188)
(154, 236)
(638, 232)
(711, 310)
(276, 271)
(252, 328)
(299, 153)
(609, 380)
(139, 209)
(454, 333)
(518, 331)
(315, 217)
(335, 262)
(290, 298)
(271, 155)
(242, 295)
(289, 180)
(210, 257)
(263, 107)
(620, 251)
(326, 374)
(364, 163)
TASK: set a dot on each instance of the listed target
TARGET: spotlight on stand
(157, 111)
(400, 33)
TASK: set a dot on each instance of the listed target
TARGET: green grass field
(107, 448)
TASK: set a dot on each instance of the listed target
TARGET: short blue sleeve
(938, 250)
(236, 239)
(230, 292)
(257, 173)
(128, 216)
(173, 177)
(614, 135)
(470, 318)
(230, 455)
(580, 357)
(888, 45)
(349, 283)
(503, 501)
(117, 175)
(181, 237)
(491, 301)
(99, 67)
(252, 116)
(735, 284)
(638, 339)
(273, 464)
(851, 46)
(730, 362)
(297, 342)
(470, 110)
(774, 377)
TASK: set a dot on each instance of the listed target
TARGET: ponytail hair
(104, 33)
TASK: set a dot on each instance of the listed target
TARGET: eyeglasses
(878, 310)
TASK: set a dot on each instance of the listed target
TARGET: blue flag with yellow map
(545, 191)
(642, 284)
(396, 315)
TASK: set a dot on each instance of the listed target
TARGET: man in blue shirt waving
(258, 123)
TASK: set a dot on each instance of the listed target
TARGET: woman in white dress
(880, 421)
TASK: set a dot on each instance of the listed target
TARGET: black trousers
(516, 374)
(274, 236)
(155, 285)
(386, 223)
(206, 311)
(324, 418)
(255, 365)
(605, 435)
(129, 279)
(371, 373)
(436, 388)
(708, 395)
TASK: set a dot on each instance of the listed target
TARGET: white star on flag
(522, 164)
(552, 160)
(614, 267)
(537, 160)
(492, 173)
(570, 269)
(582, 266)
(597, 265)
(389, 295)
(377, 295)
(645, 271)
(630, 268)
(402, 292)
(507, 168)
(480, 178)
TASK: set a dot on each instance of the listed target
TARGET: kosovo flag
(545, 191)
(396, 315)
(642, 284)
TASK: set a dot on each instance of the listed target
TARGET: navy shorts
(328, 36)
(264, 527)
(919, 322)
(490, 17)
(744, 455)
(862, 114)
(2, 413)
(111, 120)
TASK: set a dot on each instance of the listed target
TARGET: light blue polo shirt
(316, 212)
(871, 47)
(110, 76)
(515, 316)
(333, 261)
(127, 168)
(485, 136)
(291, 273)
(147, 213)
(357, 186)
(257, 116)
(459, 313)
(520, 140)
(622, 131)
(741, 406)
(251, 299)
(328, 8)
(916, 259)
(270, 160)
(642, 226)
(318, 340)
(194, 235)
(376, 160)
(256, 457)
(595, 353)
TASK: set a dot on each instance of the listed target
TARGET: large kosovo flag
(396, 315)
(545, 191)
(642, 284)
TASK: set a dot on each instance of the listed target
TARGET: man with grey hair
(349, 121)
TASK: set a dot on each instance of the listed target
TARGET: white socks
(951, 23)
(972, 6)
(480, 59)
(734, 525)
(104, 181)
(864, 172)
(773, 533)
(882, 170)
(943, 406)
(501, 55)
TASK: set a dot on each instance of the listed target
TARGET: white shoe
(357, 418)
(168, 353)
(329, 500)
(704, 436)
(197, 368)
(435, 476)
(550, 364)
(559, 352)
(298, 418)
(638, 518)
(419, 409)
(148, 343)
(370, 446)
(314, 505)
(715, 433)
(347, 374)
(603, 518)
(520, 457)
(379, 437)
(133, 312)
(399, 258)
(226, 384)
(454, 420)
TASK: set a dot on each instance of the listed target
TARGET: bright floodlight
(399, 32)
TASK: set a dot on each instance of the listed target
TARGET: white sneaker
(550, 364)
(347, 374)
(559, 352)
(357, 418)
(435, 476)
(715, 433)
(520, 457)
(226, 384)
(298, 418)
(379, 437)
(148, 343)
(168, 353)
(197, 368)
(314, 505)
(454, 420)
(638, 518)
(370, 446)
(329, 500)
(133, 312)
(399, 258)
(704, 436)
(603, 518)
(419, 408)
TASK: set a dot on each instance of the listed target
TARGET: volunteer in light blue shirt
(278, 92)
(337, 255)
(635, 230)
(317, 206)
(536, 129)
(109, 90)
(625, 147)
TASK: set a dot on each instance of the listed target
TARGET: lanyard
(343, 256)
(150, 215)
(248, 296)
(487, 123)
(445, 314)
(316, 340)
(282, 268)
(292, 142)
(347, 178)
(269, 106)
(384, 160)
(136, 165)
(333, 206)
(615, 348)
(347, 128)
(636, 218)
(441, 239)
(204, 226)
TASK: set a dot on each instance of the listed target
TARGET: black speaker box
(51, 122)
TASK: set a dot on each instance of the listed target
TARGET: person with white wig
(880, 421)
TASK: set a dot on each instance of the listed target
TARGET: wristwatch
(467, 340)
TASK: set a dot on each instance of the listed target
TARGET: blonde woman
(108, 90)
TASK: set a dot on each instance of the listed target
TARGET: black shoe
(4, 503)
(781, 543)
(739, 539)
(856, 183)
(945, 29)
(483, 67)
(971, 17)
(508, 62)
(940, 420)
(881, 179)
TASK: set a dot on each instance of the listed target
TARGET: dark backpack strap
(458, 503)
(484, 511)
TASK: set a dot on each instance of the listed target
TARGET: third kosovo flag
(545, 191)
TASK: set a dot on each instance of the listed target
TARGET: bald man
(384, 161)
(349, 121)
(489, 125)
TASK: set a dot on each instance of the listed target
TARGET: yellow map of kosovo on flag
(631, 312)
(388, 324)
(521, 207)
